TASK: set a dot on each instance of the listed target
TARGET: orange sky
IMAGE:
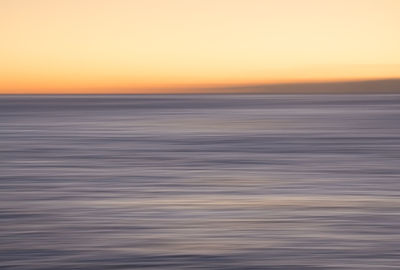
(87, 46)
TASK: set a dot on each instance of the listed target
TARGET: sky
(146, 46)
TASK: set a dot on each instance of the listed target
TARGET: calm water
(281, 182)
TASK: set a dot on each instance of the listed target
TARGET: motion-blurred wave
(200, 182)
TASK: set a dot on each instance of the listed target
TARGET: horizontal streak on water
(200, 182)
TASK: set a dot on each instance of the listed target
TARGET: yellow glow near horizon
(79, 46)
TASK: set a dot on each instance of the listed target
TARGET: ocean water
(276, 182)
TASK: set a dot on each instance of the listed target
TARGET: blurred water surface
(278, 182)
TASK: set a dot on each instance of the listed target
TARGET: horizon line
(350, 86)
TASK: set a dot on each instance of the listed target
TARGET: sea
(242, 181)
